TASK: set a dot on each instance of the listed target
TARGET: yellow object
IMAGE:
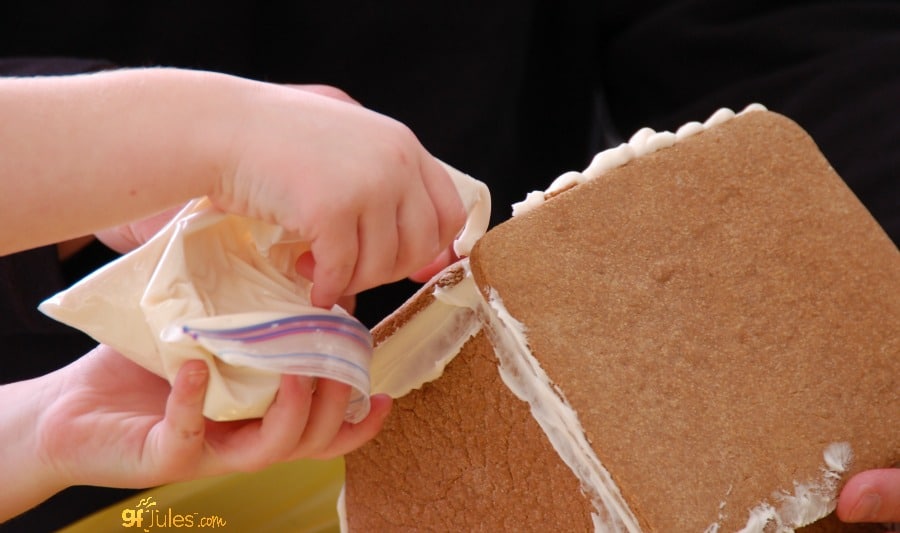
(292, 497)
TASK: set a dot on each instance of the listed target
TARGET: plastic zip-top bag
(218, 270)
(224, 288)
(316, 343)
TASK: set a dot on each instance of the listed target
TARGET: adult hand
(871, 496)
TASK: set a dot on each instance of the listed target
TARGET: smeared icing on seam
(523, 375)
(420, 350)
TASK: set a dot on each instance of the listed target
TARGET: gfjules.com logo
(147, 515)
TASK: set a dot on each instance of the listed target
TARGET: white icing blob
(838, 456)
(753, 107)
(565, 181)
(759, 517)
(689, 129)
(609, 159)
(532, 200)
(638, 141)
(719, 117)
(659, 140)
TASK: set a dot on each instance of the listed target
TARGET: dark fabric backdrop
(513, 92)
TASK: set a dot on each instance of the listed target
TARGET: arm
(82, 153)
(20, 462)
(89, 151)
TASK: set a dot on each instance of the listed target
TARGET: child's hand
(356, 185)
(127, 237)
(443, 260)
(374, 205)
(112, 423)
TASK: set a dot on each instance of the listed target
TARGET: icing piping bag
(223, 288)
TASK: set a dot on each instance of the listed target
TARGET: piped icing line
(419, 351)
(810, 501)
(523, 375)
(644, 141)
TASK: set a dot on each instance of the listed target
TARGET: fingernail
(197, 377)
(386, 399)
(866, 508)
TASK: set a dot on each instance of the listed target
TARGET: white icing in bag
(211, 271)
(223, 288)
(315, 343)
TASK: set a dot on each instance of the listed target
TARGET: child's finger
(325, 90)
(326, 416)
(420, 239)
(182, 430)
(351, 436)
(447, 203)
(284, 423)
(444, 259)
(306, 265)
(871, 496)
(335, 252)
(378, 247)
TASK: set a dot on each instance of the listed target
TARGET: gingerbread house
(699, 332)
